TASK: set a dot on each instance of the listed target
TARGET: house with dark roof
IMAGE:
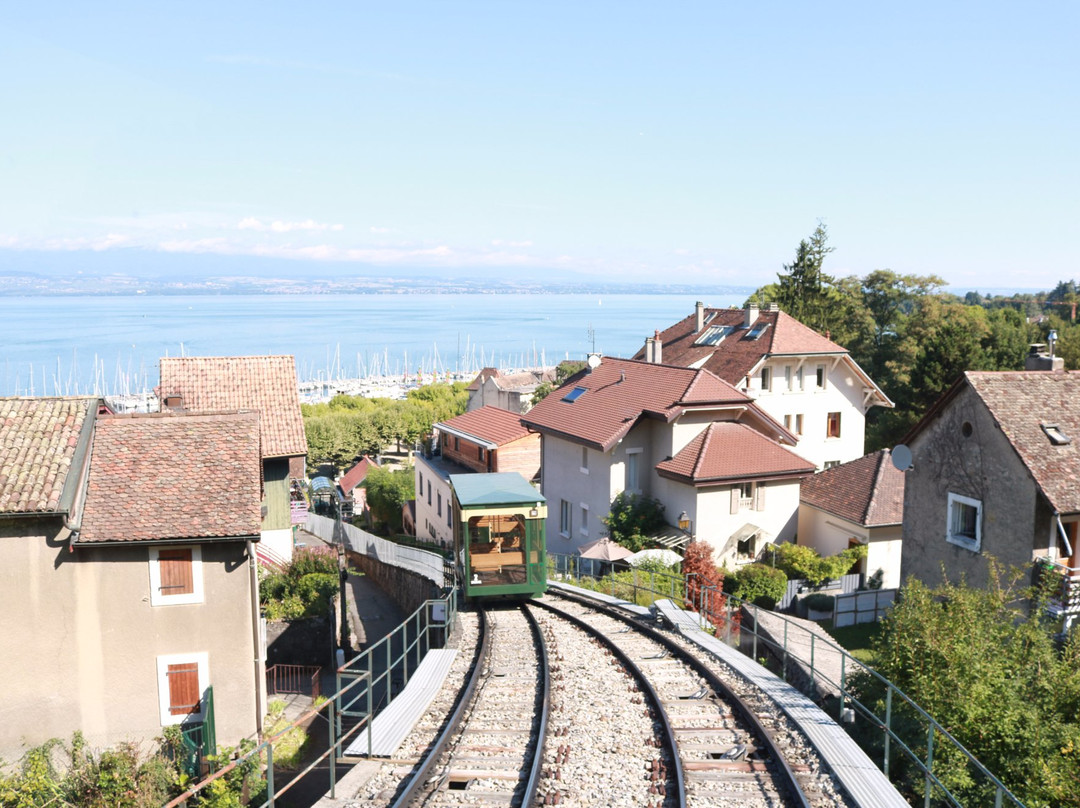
(996, 472)
(127, 573)
(266, 385)
(859, 502)
(507, 391)
(489, 439)
(801, 378)
(722, 467)
(353, 494)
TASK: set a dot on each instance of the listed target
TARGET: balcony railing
(1066, 598)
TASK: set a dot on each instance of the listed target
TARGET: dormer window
(714, 335)
(757, 331)
(1054, 432)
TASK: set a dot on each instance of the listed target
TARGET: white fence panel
(422, 562)
(862, 607)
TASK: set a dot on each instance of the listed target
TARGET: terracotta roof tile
(356, 475)
(173, 476)
(620, 392)
(490, 424)
(728, 450)
(38, 438)
(1021, 402)
(868, 491)
(264, 383)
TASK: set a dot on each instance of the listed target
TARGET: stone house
(127, 574)
(994, 471)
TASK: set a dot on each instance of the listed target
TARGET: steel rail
(661, 715)
(745, 711)
(423, 771)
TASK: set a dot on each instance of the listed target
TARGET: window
(575, 394)
(438, 507)
(420, 476)
(480, 453)
(798, 424)
(714, 335)
(787, 377)
(965, 522)
(633, 457)
(565, 519)
(584, 460)
(584, 529)
(831, 464)
(449, 515)
(457, 443)
(766, 379)
(746, 494)
(182, 680)
(175, 575)
(787, 422)
(798, 378)
(833, 428)
(429, 492)
(757, 331)
(820, 380)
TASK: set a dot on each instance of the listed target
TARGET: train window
(497, 547)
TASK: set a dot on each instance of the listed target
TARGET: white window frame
(566, 519)
(798, 424)
(766, 379)
(746, 500)
(202, 659)
(799, 378)
(583, 528)
(196, 593)
(821, 377)
(584, 459)
(960, 540)
(788, 378)
(633, 459)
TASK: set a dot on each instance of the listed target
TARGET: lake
(110, 345)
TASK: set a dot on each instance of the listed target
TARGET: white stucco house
(860, 502)
(801, 378)
(719, 464)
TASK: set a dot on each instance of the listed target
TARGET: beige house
(861, 502)
(264, 384)
(721, 467)
(127, 576)
(507, 391)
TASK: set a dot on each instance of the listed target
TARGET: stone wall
(408, 589)
(299, 642)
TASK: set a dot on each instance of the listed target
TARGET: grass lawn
(856, 639)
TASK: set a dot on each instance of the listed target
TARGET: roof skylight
(575, 394)
(714, 335)
(1057, 437)
(757, 331)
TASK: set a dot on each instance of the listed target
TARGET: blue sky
(695, 142)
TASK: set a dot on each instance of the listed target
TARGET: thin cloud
(251, 223)
(500, 243)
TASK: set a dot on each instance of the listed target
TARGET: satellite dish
(593, 361)
(901, 457)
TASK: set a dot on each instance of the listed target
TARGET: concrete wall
(842, 392)
(829, 535)
(1016, 520)
(84, 640)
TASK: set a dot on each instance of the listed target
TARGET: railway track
(728, 751)
(491, 750)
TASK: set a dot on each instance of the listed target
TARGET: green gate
(199, 739)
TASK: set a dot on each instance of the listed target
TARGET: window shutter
(759, 497)
(175, 570)
(184, 696)
(735, 499)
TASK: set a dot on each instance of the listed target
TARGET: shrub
(819, 602)
(800, 562)
(633, 518)
(304, 589)
(760, 584)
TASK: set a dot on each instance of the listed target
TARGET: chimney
(751, 314)
(1037, 359)
(649, 350)
(773, 307)
(699, 316)
(658, 349)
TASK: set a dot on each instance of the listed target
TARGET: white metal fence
(862, 607)
(422, 562)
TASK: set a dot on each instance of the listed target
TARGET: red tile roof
(264, 383)
(489, 424)
(164, 476)
(620, 392)
(38, 439)
(526, 379)
(868, 491)
(1021, 402)
(482, 376)
(728, 451)
(356, 475)
(737, 355)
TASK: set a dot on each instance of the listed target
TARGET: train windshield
(497, 548)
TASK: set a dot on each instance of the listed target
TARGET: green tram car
(499, 536)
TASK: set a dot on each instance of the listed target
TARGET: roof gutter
(253, 537)
(74, 513)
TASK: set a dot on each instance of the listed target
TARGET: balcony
(1066, 600)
